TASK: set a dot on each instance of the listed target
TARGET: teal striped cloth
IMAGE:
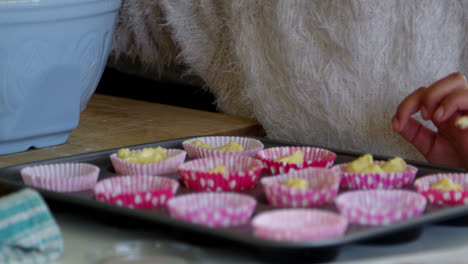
(28, 232)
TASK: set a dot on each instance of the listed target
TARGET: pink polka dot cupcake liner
(299, 225)
(436, 196)
(241, 173)
(61, 177)
(380, 207)
(323, 185)
(167, 166)
(363, 181)
(251, 146)
(142, 192)
(220, 209)
(313, 157)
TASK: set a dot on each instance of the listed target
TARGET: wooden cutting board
(112, 122)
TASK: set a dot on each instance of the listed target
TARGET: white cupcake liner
(437, 196)
(387, 180)
(251, 146)
(242, 173)
(380, 207)
(323, 188)
(299, 225)
(167, 166)
(136, 191)
(313, 157)
(61, 177)
(220, 209)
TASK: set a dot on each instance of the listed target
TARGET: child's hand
(442, 103)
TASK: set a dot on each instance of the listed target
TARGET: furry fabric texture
(324, 72)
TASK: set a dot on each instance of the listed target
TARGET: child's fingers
(452, 103)
(440, 89)
(409, 106)
(418, 135)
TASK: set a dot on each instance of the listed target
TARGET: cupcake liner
(435, 196)
(136, 191)
(221, 209)
(123, 167)
(380, 207)
(323, 187)
(251, 147)
(299, 225)
(61, 177)
(242, 173)
(313, 157)
(363, 181)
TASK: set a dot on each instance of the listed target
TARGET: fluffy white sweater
(326, 72)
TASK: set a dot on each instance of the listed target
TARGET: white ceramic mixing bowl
(52, 55)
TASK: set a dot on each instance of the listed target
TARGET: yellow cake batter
(219, 169)
(360, 163)
(200, 144)
(296, 157)
(396, 164)
(365, 164)
(296, 183)
(462, 122)
(144, 156)
(230, 146)
(446, 184)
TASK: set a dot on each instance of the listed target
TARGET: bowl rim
(26, 5)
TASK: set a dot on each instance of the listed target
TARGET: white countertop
(437, 244)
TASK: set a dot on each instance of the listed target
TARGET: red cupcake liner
(363, 181)
(323, 187)
(221, 209)
(61, 177)
(251, 146)
(299, 225)
(242, 173)
(167, 166)
(136, 191)
(380, 207)
(435, 196)
(313, 157)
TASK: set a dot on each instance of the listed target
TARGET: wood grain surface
(112, 122)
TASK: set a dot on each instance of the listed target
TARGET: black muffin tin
(158, 220)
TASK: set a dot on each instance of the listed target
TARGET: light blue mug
(52, 55)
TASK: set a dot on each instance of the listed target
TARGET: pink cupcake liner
(380, 207)
(323, 187)
(123, 167)
(435, 196)
(251, 147)
(61, 177)
(299, 225)
(313, 157)
(242, 173)
(363, 181)
(221, 209)
(136, 191)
